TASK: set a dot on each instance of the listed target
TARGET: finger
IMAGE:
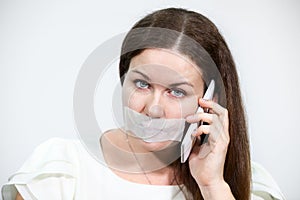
(197, 117)
(218, 109)
(218, 136)
(203, 129)
(214, 131)
(204, 150)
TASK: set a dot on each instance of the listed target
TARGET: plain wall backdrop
(44, 43)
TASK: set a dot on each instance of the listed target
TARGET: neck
(133, 163)
(160, 177)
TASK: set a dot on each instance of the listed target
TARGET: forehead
(166, 62)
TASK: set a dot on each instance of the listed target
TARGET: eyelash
(182, 93)
(138, 83)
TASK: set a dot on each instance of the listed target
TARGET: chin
(157, 146)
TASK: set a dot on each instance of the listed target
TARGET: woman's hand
(207, 161)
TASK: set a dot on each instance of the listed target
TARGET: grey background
(44, 43)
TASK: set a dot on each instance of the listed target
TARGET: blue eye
(141, 84)
(177, 93)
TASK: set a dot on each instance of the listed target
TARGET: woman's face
(162, 84)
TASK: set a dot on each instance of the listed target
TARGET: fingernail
(194, 133)
(203, 100)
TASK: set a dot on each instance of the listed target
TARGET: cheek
(133, 99)
(181, 108)
(173, 109)
(136, 102)
(186, 107)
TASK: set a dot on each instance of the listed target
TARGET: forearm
(218, 191)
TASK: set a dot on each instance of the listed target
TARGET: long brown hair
(237, 170)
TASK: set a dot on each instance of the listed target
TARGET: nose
(156, 111)
(154, 107)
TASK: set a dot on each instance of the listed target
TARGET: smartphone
(187, 142)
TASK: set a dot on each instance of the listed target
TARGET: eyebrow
(171, 85)
(181, 83)
(144, 75)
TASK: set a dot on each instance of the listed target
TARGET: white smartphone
(187, 142)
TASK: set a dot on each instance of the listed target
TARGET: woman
(167, 61)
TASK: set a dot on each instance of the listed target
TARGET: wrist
(219, 190)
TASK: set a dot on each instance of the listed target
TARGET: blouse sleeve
(49, 173)
(263, 185)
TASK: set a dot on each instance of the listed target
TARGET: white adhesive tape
(153, 129)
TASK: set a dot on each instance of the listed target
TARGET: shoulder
(53, 163)
(263, 184)
(63, 152)
(57, 142)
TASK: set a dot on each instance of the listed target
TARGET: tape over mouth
(153, 129)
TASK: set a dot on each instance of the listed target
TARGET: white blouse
(62, 169)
